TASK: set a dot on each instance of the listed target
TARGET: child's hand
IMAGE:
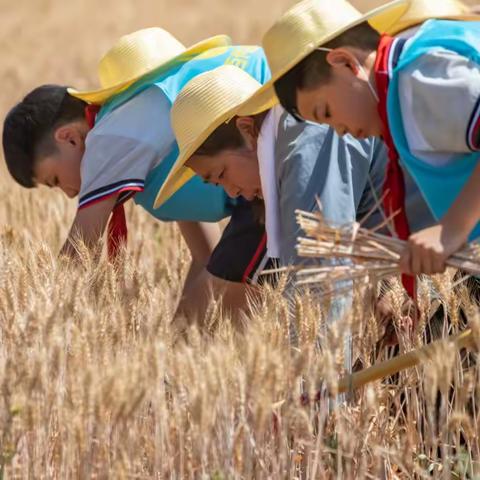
(427, 250)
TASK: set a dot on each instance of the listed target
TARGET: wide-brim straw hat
(139, 53)
(421, 10)
(311, 24)
(205, 103)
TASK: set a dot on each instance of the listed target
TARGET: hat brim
(401, 26)
(180, 174)
(101, 95)
(265, 98)
(381, 18)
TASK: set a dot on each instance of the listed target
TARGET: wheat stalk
(366, 254)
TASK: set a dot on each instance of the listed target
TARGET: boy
(129, 148)
(348, 79)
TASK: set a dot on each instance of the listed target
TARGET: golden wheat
(92, 384)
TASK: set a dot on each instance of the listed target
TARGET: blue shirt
(313, 161)
(346, 174)
(132, 147)
(434, 112)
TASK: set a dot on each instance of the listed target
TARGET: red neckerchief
(117, 226)
(394, 184)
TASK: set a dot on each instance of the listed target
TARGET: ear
(70, 133)
(343, 57)
(248, 130)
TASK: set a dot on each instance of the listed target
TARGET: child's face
(346, 102)
(235, 170)
(62, 168)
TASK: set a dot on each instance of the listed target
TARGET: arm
(201, 239)
(437, 83)
(235, 297)
(428, 249)
(222, 279)
(371, 186)
(300, 177)
(88, 226)
(316, 163)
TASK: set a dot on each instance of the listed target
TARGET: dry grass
(90, 384)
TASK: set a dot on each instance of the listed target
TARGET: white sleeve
(439, 95)
(125, 146)
(112, 165)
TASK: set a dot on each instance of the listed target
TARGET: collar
(388, 55)
(268, 178)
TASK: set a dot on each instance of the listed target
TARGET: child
(129, 149)
(266, 153)
(420, 96)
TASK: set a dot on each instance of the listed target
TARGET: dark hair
(227, 137)
(314, 70)
(28, 128)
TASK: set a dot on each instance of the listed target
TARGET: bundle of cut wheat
(367, 254)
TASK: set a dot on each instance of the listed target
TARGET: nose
(231, 190)
(69, 192)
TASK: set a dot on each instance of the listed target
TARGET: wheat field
(92, 382)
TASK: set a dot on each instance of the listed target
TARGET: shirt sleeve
(373, 187)
(313, 162)
(124, 147)
(439, 98)
(296, 154)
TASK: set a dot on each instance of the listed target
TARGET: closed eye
(53, 183)
(327, 112)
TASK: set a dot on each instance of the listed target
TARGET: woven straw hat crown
(207, 101)
(137, 53)
(312, 23)
(421, 10)
(300, 29)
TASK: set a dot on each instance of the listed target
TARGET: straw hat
(139, 53)
(421, 10)
(207, 101)
(312, 23)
